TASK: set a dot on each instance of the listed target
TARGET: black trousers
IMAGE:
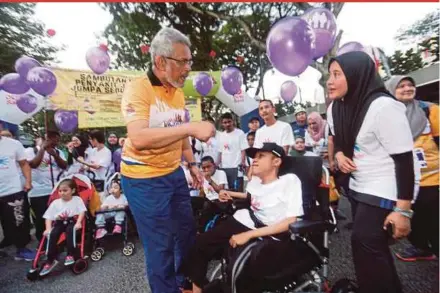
(269, 258)
(58, 228)
(204, 210)
(373, 262)
(14, 215)
(425, 225)
(39, 206)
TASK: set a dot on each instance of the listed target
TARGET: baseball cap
(269, 147)
(299, 110)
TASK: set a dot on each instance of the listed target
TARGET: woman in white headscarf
(424, 123)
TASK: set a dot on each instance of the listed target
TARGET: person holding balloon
(152, 179)
(373, 149)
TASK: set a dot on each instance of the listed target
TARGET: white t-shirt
(209, 148)
(230, 147)
(41, 177)
(102, 158)
(279, 133)
(219, 178)
(11, 152)
(273, 202)
(384, 132)
(111, 200)
(60, 209)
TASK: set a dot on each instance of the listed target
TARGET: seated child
(275, 202)
(207, 205)
(115, 200)
(63, 215)
(299, 149)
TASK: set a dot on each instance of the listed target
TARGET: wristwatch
(406, 213)
(192, 164)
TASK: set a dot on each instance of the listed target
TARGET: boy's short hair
(226, 116)
(300, 137)
(269, 101)
(207, 159)
(98, 135)
(251, 133)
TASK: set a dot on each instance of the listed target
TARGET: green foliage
(404, 63)
(430, 45)
(428, 26)
(21, 35)
(284, 109)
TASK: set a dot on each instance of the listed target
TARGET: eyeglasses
(181, 63)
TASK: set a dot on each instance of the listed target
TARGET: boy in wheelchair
(275, 203)
(207, 205)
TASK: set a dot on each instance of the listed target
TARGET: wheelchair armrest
(111, 210)
(307, 226)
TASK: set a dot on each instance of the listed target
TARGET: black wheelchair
(313, 230)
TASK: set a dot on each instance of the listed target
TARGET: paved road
(119, 274)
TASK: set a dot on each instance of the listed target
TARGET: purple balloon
(98, 60)
(42, 80)
(288, 91)
(350, 47)
(289, 45)
(13, 83)
(24, 64)
(187, 116)
(232, 79)
(27, 103)
(323, 24)
(66, 121)
(202, 82)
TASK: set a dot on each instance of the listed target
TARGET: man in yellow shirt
(158, 137)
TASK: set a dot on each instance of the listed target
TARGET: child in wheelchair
(115, 200)
(275, 203)
(65, 214)
(207, 205)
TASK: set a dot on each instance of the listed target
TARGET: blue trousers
(162, 210)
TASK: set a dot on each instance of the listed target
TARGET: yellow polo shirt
(428, 149)
(145, 98)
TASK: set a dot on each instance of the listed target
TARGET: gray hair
(162, 44)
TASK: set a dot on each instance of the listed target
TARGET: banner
(97, 98)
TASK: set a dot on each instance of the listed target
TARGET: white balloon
(9, 112)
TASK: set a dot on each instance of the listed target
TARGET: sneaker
(414, 254)
(117, 229)
(25, 254)
(48, 267)
(100, 233)
(69, 260)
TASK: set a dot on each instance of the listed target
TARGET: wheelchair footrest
(308, 226)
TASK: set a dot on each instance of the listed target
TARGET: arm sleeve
(243, 141)
(80, 206)
(135, 104)
(404, 165)
(257, 142)
(50, 212)
(20, 154)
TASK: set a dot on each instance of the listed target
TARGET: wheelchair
(313, 230)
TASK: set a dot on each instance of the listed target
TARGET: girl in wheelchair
(116, 200)
(63, 215)
(275, 202)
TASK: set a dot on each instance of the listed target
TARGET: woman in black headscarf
(373, 149)
(77, 148)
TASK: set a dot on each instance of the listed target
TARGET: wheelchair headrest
(308, 169)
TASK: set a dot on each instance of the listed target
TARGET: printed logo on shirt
(4, 163)
(357, 152)
(226, 146)
(64, 215)
(255, 205)
(175, 121)
(129, 110)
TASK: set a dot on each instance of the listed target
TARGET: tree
(229, 29)
(424, 28)
(430, 47)
(21, 35)
(403, 63)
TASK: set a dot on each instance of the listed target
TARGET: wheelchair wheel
(128, 250)
(96, 255)
(80, 266)
(344, 286)
(101, 250)
(33, 274)
(130, 244)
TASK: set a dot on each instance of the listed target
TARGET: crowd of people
(30, 174)
(379, 143)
